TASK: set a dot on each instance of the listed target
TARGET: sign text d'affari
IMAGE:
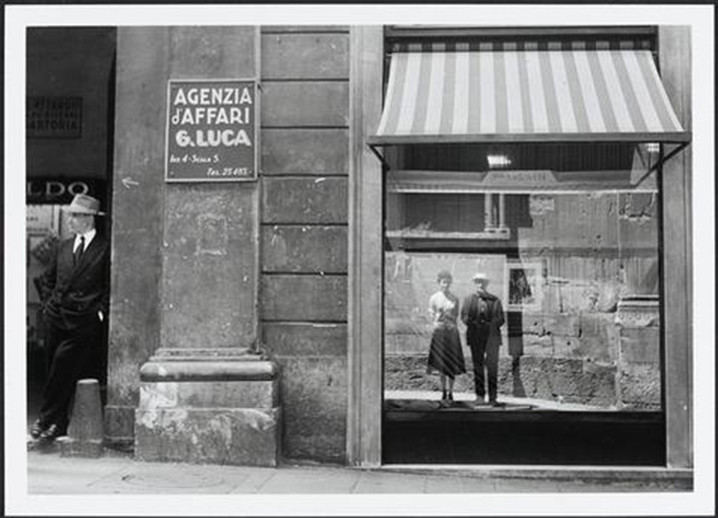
(211, 131)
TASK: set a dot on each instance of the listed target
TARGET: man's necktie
(475, 309)
(80, 249)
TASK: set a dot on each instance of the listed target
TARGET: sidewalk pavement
(118, 473)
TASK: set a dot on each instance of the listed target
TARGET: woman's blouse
(444, 308)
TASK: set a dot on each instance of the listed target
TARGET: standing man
(75, 296)
(483, 315)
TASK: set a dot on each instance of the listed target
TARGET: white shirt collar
(89, 235)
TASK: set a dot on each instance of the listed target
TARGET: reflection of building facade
(524, 288)
(291, 264)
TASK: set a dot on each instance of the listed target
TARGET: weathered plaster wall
(303, 291)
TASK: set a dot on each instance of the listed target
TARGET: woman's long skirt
(445, 354)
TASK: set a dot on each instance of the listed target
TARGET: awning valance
(526, 96)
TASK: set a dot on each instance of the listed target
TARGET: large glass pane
(568, 238)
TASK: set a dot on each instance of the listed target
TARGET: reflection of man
(74, 292)
(483, 315)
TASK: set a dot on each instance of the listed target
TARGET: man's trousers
(70, 355)
(485, 357)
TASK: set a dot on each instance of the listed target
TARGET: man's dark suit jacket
(73, 294)
(483, 326)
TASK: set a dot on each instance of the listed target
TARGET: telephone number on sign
(228, 171)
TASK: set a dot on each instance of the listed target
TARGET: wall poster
(56, 117)
(524, 286)
(212, 130)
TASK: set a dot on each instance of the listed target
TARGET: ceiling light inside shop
(498, 161)
(653, 147)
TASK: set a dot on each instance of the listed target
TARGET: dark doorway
(70, 99)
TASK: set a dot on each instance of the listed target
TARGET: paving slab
(256, 479)
(374, 482)
(320, 481)
(623, 486)
(457, 484)
(151, 478)
(583, 487)
(526, 486)
(49, 473)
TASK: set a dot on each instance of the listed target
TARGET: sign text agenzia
(212, 109)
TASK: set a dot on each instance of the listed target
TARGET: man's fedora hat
(84, 204)
(480, 277)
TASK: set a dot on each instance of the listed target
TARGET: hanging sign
(211, 131)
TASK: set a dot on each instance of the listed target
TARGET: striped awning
(526, 96)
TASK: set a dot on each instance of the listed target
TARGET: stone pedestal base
(209, 408)
(245, 436)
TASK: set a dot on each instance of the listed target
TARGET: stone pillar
(136, 216)
(202, 396)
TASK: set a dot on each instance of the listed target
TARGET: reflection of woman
(445, 354)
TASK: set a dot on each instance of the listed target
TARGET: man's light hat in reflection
(480, 276)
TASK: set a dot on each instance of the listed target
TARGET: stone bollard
(84, 434)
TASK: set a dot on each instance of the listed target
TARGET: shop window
(568, 237)
(528, 157)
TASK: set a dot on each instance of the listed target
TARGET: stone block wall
(639, 356)
(303, 235)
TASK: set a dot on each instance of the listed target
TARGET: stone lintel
(208, 370)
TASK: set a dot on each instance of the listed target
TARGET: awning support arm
(379, 156)
(662, 161)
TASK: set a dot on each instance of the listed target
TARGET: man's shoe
(36, 429)
(53, 432)
(496, 404)
(480, 402)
